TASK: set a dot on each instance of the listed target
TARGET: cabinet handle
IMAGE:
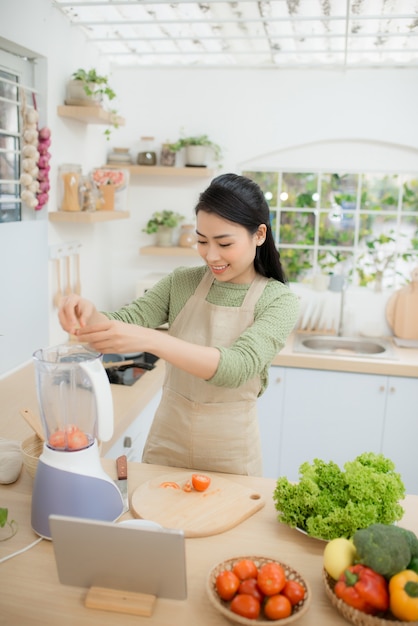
(381, 388)
(392, 389)
(278, 380)
(127, 442)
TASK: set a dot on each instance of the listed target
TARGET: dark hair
(239, 199)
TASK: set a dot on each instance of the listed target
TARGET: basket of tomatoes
(252, 588)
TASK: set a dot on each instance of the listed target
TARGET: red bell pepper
(363, 589)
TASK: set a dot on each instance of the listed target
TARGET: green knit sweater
(251, 354)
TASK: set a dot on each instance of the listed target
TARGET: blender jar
(68, 395)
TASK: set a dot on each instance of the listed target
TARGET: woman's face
(227, 248)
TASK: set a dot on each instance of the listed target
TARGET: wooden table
(30, 592)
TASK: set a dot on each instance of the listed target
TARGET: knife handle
(122, 467)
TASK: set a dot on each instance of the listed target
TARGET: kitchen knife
(122, 481)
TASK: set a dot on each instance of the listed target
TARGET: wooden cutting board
(402, 310)
(199, 514)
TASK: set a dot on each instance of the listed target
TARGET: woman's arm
(115, 336)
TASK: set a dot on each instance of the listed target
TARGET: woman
(227, 321)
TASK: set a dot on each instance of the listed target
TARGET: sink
(368, 347)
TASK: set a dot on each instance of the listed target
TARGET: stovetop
(129, 374)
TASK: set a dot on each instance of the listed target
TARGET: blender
(76, 408)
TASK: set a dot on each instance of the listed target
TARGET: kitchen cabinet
(270, 410)
(133, 440)
(337, 416)
(333, 416)
(400, 434)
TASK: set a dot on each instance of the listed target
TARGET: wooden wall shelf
(169, 251)
(90, 115)
(85, 217)
(161, 170)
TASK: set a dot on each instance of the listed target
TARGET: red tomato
(227, 584)
(251, 588)
(57, 439)
(200, 482)
(277, 607)
(246, 606)
(187, 486)
(245, 569)
(271, 578)
(77, 440)
(294, 591)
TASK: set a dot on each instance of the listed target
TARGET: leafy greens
(329, 502)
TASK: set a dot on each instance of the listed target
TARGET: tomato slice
(187, 486)
(200, 482)
(171, 484)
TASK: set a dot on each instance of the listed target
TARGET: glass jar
(167, 157)
(68, 187)
(147, 155)
(187, 237)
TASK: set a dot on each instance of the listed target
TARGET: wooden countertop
(31, 592)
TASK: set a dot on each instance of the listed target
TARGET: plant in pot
(162, 224)
(197, 148)
(88, 88)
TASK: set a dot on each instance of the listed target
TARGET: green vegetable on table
(329, 502)
(385, 549)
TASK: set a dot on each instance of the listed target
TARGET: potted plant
(196, 149)
(162, 224)
(88, 88)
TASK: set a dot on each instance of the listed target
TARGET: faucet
(339, 283)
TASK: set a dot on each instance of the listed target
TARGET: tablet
(91, 553)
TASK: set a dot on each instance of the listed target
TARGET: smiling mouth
(218, 268)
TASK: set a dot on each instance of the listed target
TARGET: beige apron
(198, 425)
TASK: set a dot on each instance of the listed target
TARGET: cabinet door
(400, 435)
(333, 416)
(269, 407)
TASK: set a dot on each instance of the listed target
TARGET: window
(363, 225)
(15, 72)
(9, 148)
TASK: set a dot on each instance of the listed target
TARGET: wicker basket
(31, 451)
(353, 615)
(222, 606)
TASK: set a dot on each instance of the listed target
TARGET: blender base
(60, 492)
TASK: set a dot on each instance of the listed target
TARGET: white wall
(249, 112)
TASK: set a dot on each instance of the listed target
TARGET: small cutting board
(222, 506)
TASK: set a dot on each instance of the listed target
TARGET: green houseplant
(88, 88)
(198, 144)
(94, 85)
(162, 224)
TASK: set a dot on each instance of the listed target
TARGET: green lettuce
(329, 502)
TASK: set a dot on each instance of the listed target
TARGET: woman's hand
(108, 336)
(76, 312)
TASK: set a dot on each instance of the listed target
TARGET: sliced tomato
(187, 486)
(169, 483)
(200, 482)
